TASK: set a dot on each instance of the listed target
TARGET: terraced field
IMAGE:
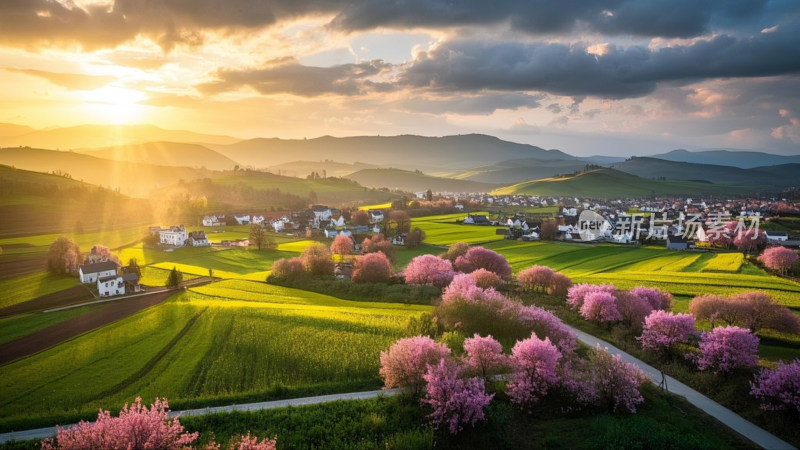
(222, 343)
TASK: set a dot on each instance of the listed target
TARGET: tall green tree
(175, 278)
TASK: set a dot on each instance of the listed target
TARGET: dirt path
(48, 337)
(73, 295)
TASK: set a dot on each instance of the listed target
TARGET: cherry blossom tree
(288, 269)
(454, 251)
(378, 243)
(779, 259)
(535, 278)
(577, 293)
(483, 258)
(559, 285)
(657, 298)
(485, 279)
(63, 256)
(726, 348)
(633, 309)
(317, 260)
(545, 323)
(663, 329)
(600, 306)
(428, 269)
(758, 310)
(615, 381)
(360, 217)
(712, 308)
(456, 402)
(779, 389)
(372, 268)
(342, 245)
(484, 355)
(534, 363)
(407, 361)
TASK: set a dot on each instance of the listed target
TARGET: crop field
(40, 243)
(221, 343)
(443, 230)
(386, 205)
(26, 287)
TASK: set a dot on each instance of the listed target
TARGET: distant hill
(165, 154)
(38, 203)
(94, 136)
(741, 159)
(11, 130)
(646, 167)
(611, 183)
(448, 152)
(415, 181)
(136, 180)
(516, 170)
(302, 169)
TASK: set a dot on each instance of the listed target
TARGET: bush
(535, 278)
(288, 269)
(485, 279)
(405, 363)
(534, 363)
(726, 348)
(454, 251)
(317, 260)
(455, 402)
(429, 270)
(372, 268)
(483, 258)
(779, 389)
(378, 243)
(663, 329)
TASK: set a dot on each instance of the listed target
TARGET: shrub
(545, 323)
(484, 355)
(454, 251)
(633, 309)
(616, 382)
(712, 308)
(726, 348)
(778, 389)
(600, 306)
(372, 268)
(535, 278)
(415, 237)
(663, 329)
(378, 243)
(455, 401)
(657, 298)
(758, 310)
(577, 293)
(317, 260)
(405, 363)
(485, 279)
(534, 363)
(288, 269)
(429, 270)
(559, 285)
(483, 258)
(780, 259)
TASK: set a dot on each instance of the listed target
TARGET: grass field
(112, 239)
(17, 326)
(26, 287)
(221, 343)
(443, 230)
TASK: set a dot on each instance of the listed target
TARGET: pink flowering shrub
(600, 306)
(779, 389)
(712, 308)
(250, 443)
(616, 381)
(726, 348)
(663, 329)
(559, 285)
(430, 270)
(372, 268)
(484, 355)
(753, 310)
(657, 298)
(405, 363)
(545, 323)
(632, 308)
(779, 259)
(483, 258)
(455, 401)
(288, 269)
(534, 363)
(535, 278)
(485, 279)
(577, 293)
(136, 427)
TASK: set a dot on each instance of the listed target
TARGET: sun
(114, 104)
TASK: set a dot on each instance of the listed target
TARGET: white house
(243, 219)
(89, 273)
(173, 236)
(211, 221)
(777, 236)
(331, 233)
(278, 225)
(198, 239)
(111, 285)
(258, 220)
(338, 222)
(569, 211)
(375, 215)
(321, 212)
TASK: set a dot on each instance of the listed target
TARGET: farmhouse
(211, 221)
(677, 243)
(198, 239)
(175, 235)
(111, 285)
(777, 236)
(375, 215)
(242, 219)
(89, 273)
(321, 213)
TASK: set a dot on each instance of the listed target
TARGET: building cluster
(109, 281)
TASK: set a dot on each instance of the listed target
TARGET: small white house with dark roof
(89, 273)
(111, 285)
(173, 236)
(198, 239)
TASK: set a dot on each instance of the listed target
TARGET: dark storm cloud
(619, 73)
(71, 81)
(40, 23)
(288, 76)
(484, 104)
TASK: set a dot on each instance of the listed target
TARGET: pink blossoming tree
(577, 293)
(456, 402)
(372, 268)
(726, 348)
(779, 259)
(600, 306)
(663, 329)
(484, 355)
(405, 363)
(535, 278)
(430, 270)
(616, 381)
(485, 279)
(779, 389)
(534, 363)
(657, 298)
(483, 258)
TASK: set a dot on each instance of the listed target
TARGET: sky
(612, 77)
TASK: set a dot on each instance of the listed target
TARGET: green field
(111, 238)
(26, 287)
(221, 343)
(443, 230)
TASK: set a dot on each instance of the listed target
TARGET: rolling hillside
(93, 136)
(415, 181)
(452, 152)
(516, 171)
(165, 154)
(301, 169)
(741, 159)
(782, 175)
(611, 183)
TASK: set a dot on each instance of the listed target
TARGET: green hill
(415, 181)
(778, 175)
(611, 183)
(166, 154)
(330, 168)
(517, 170)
